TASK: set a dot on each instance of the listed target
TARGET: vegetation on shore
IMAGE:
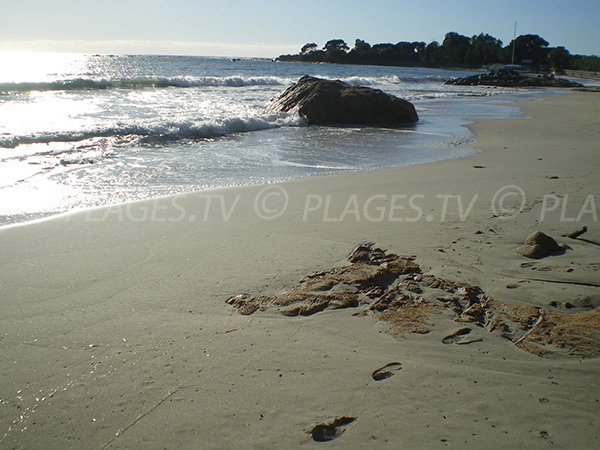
(456, 50)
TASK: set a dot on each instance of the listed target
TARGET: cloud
(149, 47)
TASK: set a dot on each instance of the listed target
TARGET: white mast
(514, 43)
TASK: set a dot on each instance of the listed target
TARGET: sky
(269, 28)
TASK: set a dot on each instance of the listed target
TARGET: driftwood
(575, 234)
(576, 283)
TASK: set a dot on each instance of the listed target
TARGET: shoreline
(464, 125)
(118, 334)
(82, 172)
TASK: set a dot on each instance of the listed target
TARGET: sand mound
(539, 245)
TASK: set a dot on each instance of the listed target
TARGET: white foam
(168, 131)
(143, 83)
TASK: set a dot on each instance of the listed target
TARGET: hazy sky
(271, 27)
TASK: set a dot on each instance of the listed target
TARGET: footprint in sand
(386, 371)
(323, 432)
(457, 336)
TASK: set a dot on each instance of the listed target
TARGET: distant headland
(456, 51)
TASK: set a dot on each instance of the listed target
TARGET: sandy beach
(116, 332)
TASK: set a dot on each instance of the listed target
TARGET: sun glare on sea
(24, 67)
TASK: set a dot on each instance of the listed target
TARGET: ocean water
(80, 131)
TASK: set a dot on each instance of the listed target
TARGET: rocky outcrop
(333, 102)
(510, 78)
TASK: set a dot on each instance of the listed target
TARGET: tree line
(456, 50)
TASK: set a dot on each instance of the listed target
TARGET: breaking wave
(164, 132)
(391, 79)
(83, 84)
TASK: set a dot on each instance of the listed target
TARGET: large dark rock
(333, 102)
(510, 78)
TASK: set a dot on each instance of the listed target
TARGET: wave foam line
(81, 84)
(165, 132)
(389, 79)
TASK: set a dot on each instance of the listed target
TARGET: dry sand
(115, 331)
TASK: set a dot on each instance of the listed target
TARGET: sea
(83, 131)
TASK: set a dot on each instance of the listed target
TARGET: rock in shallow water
(333, 102)
(510, 78)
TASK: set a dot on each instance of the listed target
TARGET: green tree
(455, 48)
(361, 53)
(419, 49)
(583, 62)
(336, 45)
(335, 50)
(308, 48)
(361, 47)
(483, 49)
(559, 58)
(384, 53)
(434, 54)
(529, 49)
(407, 52)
